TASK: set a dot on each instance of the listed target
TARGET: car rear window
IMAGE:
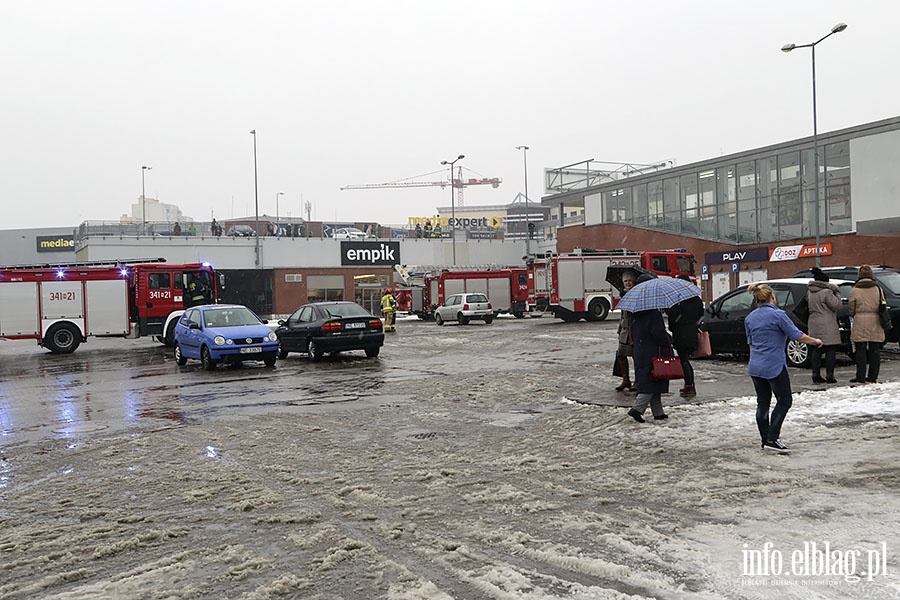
(345, 310)
(476, 298)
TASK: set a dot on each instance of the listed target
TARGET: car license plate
(354, 325)
(251, 350)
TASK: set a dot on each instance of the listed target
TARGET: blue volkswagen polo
(226, 333)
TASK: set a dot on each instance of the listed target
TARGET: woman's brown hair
(762, 293)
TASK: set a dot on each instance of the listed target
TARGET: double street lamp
(276, 208)
(787, 48)
(144, 169)
(453, 203)
(256, 197)
(524, 150)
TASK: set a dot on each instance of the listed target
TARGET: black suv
(724, 318)
(887, 278)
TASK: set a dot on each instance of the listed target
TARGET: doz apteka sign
(368, 254)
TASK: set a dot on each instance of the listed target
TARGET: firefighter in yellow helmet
(388, 309)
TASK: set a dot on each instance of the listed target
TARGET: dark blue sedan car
(224, 333)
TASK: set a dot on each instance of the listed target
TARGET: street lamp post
(524, 150)
(787, 48)
(144, 169)
(453, 203)
(256, 196)
(276, 206)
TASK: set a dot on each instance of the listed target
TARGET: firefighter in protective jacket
(389, 309)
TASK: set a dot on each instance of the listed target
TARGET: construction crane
(458, 183)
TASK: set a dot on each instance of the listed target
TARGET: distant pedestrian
(866, 333)
(824, 301)
(684, 323)
(389, 309)
(192, 230)
(427, 229)
(177, 229)
(215, 228)
(626, 345)
(768, 329)
(437, 232)
(418, 230)
(648, 330)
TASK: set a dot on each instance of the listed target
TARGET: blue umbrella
(661, 292)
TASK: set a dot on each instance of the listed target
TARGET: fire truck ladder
(415, 274)
(457, 182)
(90, 263)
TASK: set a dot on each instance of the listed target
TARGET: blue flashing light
(124, 272)
(60, 274)
(206, 264)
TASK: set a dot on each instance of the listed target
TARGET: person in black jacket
(648, 330)
(684, 320)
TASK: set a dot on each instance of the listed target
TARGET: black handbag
(884, 313)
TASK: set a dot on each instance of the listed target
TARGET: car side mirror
(194, 326)
(281, 321)
(265, 321)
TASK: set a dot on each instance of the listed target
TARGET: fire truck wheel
(438, 319)
(62, 338)
(598, 310)
(463, 320)
(180, 358)
(169, 340)
(519, 315)
(206, 359)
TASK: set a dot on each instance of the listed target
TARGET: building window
(746, 179)
(324, 288)
(790, 208)
(837, 187)
(655, 203)
(639, 203)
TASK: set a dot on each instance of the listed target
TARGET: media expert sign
(55, 243)
(367, 254)
(459, 223)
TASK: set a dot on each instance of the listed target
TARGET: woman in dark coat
(684, 319)
(648, 330)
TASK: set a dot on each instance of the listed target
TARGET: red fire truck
(505, 287)
(573, 286)
(61, 305)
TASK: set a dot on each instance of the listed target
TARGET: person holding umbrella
(768, 329)
(684, 319)
(645, 301)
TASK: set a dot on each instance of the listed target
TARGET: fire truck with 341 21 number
(573, 286)
(61, 305)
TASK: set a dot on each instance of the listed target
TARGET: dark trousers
(685, 357)
(816, 360)
(770, 427)
(868, 354)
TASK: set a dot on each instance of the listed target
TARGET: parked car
(226, 333)
(888, 280)
(330, 327)
(241, 231)
(464, 308)
(350, 233)
(724, 318)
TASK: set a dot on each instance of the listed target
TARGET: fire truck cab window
(159, 281)
(684, 264)
(660, 264)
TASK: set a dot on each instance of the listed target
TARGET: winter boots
(687, 391)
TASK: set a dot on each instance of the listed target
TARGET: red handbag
(704, 348)
(666, 368)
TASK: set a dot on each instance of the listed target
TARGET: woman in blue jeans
(768, 330)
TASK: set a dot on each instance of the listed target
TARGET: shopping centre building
(745, 216)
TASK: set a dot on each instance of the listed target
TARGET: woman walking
(684, 321)
(824, 301)
(866, 333)
(626, 346)
(768, 329)
(648, 330)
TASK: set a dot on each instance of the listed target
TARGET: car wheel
(62, 338)
(463, 320)
(314, 353)
(797, 354)
(269, 359)
(598, 310)
(180, 358)
(373, 352)
(206, 359)
(282, 354)
(438, 319)
(488, 320)
(519, 315)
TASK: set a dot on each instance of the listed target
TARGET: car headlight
(272, 337)
(219, 340)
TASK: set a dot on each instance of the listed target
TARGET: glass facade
(766, 199)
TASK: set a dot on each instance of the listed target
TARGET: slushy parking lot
(479, 461)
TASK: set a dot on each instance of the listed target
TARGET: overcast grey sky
(356, 92)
